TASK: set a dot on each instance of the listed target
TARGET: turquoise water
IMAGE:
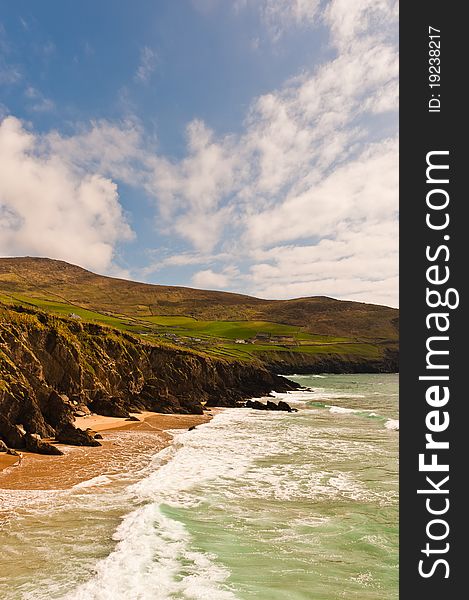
(252, 505)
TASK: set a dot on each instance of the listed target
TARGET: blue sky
(249, 146)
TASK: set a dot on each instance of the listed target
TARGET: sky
(242, 145)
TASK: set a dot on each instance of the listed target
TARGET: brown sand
(148, 421)
(121, 446)
(6, 460)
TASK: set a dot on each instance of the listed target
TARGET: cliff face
(50, 368)
(290, 362)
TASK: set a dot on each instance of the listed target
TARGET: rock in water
(256, 405)
(35, 444)
(283, 406)
(77, 437)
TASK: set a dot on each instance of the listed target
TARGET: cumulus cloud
(359, 263)
(309, 168)
(112, 149)
(208, 279)
(301, 201)
(359, 192)
(47, 208)
(189, 192)
(216, 279)
(350, 22)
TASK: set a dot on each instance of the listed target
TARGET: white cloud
(112, 149)
(208, 279)
(39, 103)
(147, 66)
(358, 192)
(349, 21)
(160, 259)
(359, 263)
(9, 73)
(304, 197)
(308, 169)
(278, 15)
(49, 209)
(293, 138)
(203, 230)
(24, 23)
(189, 192)
(49, 48)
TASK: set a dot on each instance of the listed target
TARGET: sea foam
(153, 560)
(95, 481)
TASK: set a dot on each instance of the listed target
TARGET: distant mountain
(53, 280)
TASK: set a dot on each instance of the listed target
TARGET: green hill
(288, 335)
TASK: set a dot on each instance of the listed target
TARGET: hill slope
(53, 280)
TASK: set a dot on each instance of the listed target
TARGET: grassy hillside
(218, 324)
(58, 281)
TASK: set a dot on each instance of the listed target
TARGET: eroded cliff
(51, 368)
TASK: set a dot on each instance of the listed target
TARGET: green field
(235, 329)
(211, 337)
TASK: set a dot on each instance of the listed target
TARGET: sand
(124, 443)
(6, 460)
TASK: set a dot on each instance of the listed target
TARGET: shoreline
(31, 471)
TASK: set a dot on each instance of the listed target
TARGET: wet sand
(6, 460)
(122, 444)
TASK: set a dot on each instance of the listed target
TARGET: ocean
(253, 505)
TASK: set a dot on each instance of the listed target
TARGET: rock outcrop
(74, 436)
(50, 366)
(33, 443)
(269, 405)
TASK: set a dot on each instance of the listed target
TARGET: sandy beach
(80, 463)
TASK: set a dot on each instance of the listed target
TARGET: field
(299, 331)
(255, 339)
(204, 312)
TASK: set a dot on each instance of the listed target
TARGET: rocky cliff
(287, 363)
(51, 368)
